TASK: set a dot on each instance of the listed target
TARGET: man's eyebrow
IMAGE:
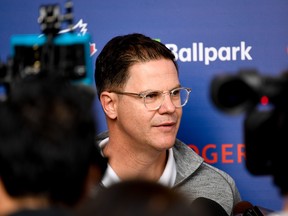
(154, 90)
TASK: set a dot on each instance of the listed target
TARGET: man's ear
(109, 104)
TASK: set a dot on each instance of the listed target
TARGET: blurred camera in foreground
(52, 54)
(264, 100)
(247, 89)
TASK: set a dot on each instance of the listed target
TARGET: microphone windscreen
(207, 207)
(241, 207)
(264, 211)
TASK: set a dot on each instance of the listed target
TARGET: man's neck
(10, 204)
(130, 163)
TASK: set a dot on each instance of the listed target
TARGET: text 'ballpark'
(199, 53)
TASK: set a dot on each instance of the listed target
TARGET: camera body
(68, 55)
(52, 54)
(264, 101)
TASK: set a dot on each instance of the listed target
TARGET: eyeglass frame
(144, 95)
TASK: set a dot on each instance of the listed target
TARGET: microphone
(245, 208)
(202, 206)
(241, 207)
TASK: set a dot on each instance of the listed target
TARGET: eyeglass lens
(153, 100)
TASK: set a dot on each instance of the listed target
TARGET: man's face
(139, 126)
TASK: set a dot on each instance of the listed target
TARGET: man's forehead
(161, 75)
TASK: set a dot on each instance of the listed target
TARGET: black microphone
(255, 211)
(241, 207)
(202, 206)
(245, 208)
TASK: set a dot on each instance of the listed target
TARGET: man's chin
(166, 142)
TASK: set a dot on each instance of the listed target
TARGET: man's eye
(152, 95)
(175, 92)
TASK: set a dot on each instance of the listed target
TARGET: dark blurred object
(137, 197)
(263, 99)
(47, 153)
(241, 207)
(206, 207)
(242, 92)
(65, 55)
(245, 208)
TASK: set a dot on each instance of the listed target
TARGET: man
(142, 97)
(47, 151)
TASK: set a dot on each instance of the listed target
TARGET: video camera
(264, 100)
(50, 54)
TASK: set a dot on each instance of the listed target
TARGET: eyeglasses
(154, 99)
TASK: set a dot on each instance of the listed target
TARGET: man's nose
(167, 104)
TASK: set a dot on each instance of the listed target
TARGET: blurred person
(141, 198)
(202, 206)
(138, 85)
(48, 160)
